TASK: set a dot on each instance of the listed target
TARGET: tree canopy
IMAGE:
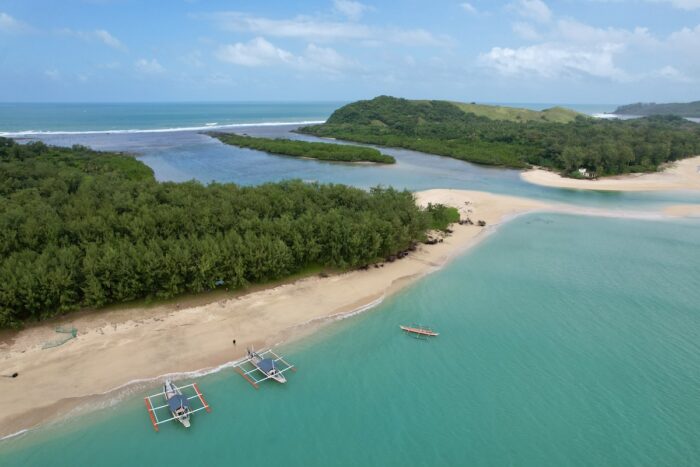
(602, 146)
(686, 109)
(321, 151)
(80, 228)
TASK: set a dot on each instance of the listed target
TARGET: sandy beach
(128, 344)
(681, 175)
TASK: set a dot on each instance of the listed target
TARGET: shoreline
(34, 133)
(679, 175)
(119, 348)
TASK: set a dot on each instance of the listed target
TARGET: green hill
(689, 109)
(514, 114)
(555, 138)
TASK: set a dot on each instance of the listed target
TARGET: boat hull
(170, 391)
(420, 331)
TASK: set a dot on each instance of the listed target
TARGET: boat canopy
(178, 401)
(266, 365)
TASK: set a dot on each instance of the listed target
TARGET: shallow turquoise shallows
(564, 341)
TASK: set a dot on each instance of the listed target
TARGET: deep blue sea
(565, 340)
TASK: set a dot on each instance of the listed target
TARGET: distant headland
(641, 109)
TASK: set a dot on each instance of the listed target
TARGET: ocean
(565, 340)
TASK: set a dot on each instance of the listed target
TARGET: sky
(517, 51)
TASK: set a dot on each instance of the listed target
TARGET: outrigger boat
(177, 403)
(266, 366)
(419, 330)
(265, 362)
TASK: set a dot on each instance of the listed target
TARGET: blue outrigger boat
(267, 362)
(266, 366)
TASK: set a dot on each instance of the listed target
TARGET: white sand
(681, 175)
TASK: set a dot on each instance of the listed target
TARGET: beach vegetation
(442, 216)
(294, 148)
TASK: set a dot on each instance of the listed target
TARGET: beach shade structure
(69, 333)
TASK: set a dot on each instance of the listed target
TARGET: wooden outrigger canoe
(420, 330)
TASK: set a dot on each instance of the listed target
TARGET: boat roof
(266, 365)
(178, 401)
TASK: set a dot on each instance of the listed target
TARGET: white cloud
(10, 25)
(300, 27)
(149, 67)
(108, 39)
(469, 8)
(319, 30)
(98, 35)
(327, 59)
(672, 74)
(353, 10)
(256, 52)
(260, 52)
(575, 31)
(686, 40)
(533, 9)
(568, 48)
(681, 4)
(555, 61)
(526, 31)
(415, 37)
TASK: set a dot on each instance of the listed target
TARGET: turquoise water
(565, 341)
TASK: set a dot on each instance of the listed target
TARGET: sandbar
(679, 175)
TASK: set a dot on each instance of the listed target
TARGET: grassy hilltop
(513, 114)
(557, 138)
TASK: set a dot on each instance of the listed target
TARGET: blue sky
(588, 51)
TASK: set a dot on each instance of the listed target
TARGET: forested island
(80, 228)
(688, 110)
(601, 146)
(320, 151)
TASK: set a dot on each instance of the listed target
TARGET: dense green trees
(604, 147)
(321, 151)
(688, 109)
(81, 228)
